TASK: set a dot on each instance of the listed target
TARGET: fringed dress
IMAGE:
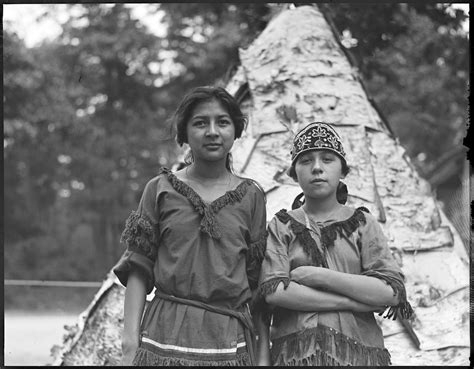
(204, 260)
(352, 243)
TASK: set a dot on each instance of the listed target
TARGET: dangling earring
(297, 202)
(228, 163)
(341, 193)
(189, 158)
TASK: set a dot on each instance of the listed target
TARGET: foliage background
(86, 115)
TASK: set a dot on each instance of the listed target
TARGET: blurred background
(88, 93)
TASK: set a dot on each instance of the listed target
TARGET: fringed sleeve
(255, 255)
(275, 265)
(378, 262)
(141, 239)
(258, 238)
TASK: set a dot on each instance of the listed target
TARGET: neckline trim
(208, 210)
(327, 223)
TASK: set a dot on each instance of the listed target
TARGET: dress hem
(144, 357)
(325, 346)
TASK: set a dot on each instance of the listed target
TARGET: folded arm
(303, 298)
(365, 289)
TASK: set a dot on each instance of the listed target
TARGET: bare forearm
(368, 290)
(303, 298)
(134, 304)
(263, 343)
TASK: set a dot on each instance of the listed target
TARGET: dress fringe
(328, 233)
(139, 235)
(317, 359)
(325, 346)
(344, 227)
(254, 258)
(396, 282)
(269, 287)
(209, 224)
(145, 357)
(257, 249)
(302, 233)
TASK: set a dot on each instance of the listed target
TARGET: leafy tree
(109, 55)
(206, 37)
(414, 62)
(86, 116)
(35, 105)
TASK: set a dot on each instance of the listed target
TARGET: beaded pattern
(317, 136)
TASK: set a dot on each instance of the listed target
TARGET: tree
(35, 105)
(87, 115)
(414, 63)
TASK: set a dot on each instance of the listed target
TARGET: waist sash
(243, 317)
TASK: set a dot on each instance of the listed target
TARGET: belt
(243, 317)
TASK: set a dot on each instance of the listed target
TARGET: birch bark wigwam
(296, 72)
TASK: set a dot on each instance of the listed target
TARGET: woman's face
(210, 131)
(319, 173)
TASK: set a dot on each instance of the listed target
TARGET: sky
(22, 19)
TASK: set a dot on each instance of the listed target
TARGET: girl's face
(210, 131)
(319, 173)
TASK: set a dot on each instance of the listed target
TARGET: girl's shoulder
(250, 181)
(163, 172)
(286, 218)
(154, 181)
(252, 185)
(349, 215)
(159, 183)
(355, 220)
(348, 212)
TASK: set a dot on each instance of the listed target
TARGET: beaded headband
(316, 136)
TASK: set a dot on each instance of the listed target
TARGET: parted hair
(206, 93)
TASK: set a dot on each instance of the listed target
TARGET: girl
(199, 237)
(327, 266)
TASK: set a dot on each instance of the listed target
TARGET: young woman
(199, 237)
(327, 266)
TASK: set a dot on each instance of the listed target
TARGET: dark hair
(205, 93)
(292, 173)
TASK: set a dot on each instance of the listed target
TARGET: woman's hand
(129, 349)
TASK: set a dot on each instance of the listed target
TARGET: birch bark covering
(97, 336)
(297, 73)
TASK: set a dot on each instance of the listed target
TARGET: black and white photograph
(236, 184)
